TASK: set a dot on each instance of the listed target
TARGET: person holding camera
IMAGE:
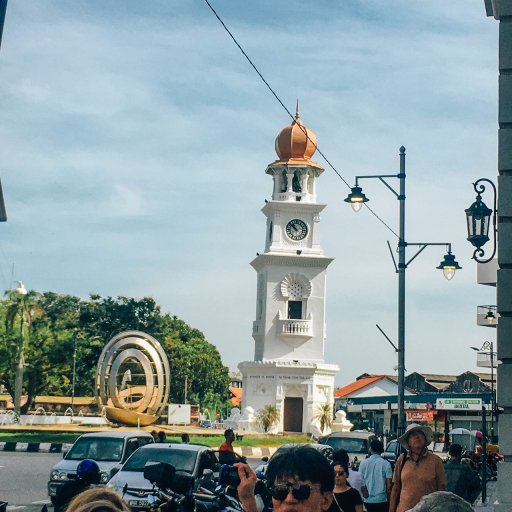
(299, 479)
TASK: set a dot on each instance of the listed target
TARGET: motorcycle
(173, 491)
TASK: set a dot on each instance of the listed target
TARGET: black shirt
(67, 492)
(462, 480)
(347, 501)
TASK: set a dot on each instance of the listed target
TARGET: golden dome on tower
(295, 143)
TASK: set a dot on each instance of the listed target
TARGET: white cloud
(135, 139)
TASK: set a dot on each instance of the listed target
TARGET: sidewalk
(492, 490)
(249, 452)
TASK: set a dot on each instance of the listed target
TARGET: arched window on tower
(296, 186)
(284, 182)
(296, 289)
(311, 183)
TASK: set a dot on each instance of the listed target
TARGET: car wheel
(53, 499)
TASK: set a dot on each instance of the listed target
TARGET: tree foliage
(324, 416)
(268, 416)
(63, 324)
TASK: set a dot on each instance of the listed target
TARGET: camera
(228, 475)
(160, 474)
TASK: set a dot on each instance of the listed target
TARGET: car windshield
(350, 444)
(391, 447)
(96, 448)
(182, 460)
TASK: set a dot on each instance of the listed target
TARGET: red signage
(420, 415)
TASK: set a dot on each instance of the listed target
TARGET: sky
(135, 138)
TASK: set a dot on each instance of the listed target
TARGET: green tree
(197, 372)
(55, 325)
(268, 416)
(324, 415)
(21, 309)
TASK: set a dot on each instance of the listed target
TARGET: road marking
(15, 507)
(41, 502)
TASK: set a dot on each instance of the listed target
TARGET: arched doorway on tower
(293, 414)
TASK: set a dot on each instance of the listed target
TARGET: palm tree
(324, 416)
(268, 416)
(22, 307)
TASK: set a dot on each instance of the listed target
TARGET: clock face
(296, 229)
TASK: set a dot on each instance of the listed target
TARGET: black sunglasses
(299, 491)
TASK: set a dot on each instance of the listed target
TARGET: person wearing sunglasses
(345, 498)
(299, 479)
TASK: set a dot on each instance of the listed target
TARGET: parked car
(108, 449)
(390, 452)
(129, 482)
(355, 443)
(324, 449)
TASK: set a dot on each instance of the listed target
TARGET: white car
(108, 449)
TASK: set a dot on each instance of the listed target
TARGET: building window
(295, 309)
(467, 386)
(284, 182)
(296, 289)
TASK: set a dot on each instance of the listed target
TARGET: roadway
(23, 479)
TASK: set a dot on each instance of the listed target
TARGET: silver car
(356, 443)
(129, 482)
(108, 449)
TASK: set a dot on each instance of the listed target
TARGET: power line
(291, 115)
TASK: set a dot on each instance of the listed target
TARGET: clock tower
(288, 370)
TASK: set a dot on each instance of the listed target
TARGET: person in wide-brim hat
(416, 427)
(418, 472)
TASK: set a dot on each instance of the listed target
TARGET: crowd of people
(301, 479)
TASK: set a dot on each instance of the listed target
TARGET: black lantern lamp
(449, 265)
(478, 216)
(490, 316)
(356, 198)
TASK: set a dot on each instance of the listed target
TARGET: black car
(129, 482)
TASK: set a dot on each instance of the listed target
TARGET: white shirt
(354, 480)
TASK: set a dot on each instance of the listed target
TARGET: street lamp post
(356, 199)
(18, 378)
(74, 375)
(478, 217)
(488, 349)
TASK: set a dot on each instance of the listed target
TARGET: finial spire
(297, 110)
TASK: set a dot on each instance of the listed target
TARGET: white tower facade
(288, 370)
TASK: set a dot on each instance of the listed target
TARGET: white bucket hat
(413, 427)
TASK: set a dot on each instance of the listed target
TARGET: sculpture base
(131, 418)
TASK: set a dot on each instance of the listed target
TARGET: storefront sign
(420, 415)
(456, 404)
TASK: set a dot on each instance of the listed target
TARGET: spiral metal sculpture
(136, 358)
